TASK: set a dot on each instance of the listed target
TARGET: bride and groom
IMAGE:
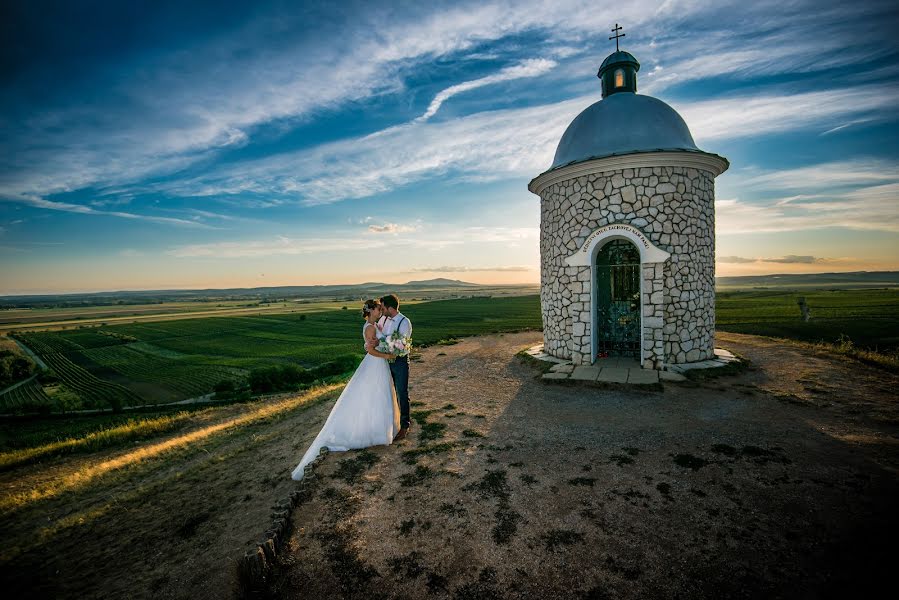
(373, 408)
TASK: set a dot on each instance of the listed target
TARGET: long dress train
(366, 414)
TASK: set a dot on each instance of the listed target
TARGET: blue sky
(192, 145)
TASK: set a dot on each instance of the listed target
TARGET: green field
(869, 318)
(162, 362)
(168, 361)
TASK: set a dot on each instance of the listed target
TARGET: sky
(163, 145)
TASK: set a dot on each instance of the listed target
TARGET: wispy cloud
(777, 113)
(820, 177)
(114, 201)
(391, 228)
(489, 145)
(498, 144)
(786, 260)
(855, 194)
(871, 208)
(845, 125)
(461, 269)
(184, 109)
(349, 241)
(86, 210)
(527, 68)
(280, 246)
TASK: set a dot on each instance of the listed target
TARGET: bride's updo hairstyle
(368, 306)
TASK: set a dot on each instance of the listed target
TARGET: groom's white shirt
(389, 325)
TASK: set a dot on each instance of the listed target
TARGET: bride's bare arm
(370, 337)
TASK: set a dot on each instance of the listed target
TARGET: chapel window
(619, 78)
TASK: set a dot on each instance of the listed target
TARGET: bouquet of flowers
(395, 344)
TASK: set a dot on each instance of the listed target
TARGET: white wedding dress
(366, 414)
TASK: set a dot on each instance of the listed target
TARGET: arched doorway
(617, 300)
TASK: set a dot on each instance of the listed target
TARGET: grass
(28, 432)
(410, 456)
(430, 432)
(584, 481)
(556, 538)
(134, 429)
(350, 470)
(157, 500)
(665, 490)
(863, 324)
(167, 361)
(888, 360)
(409, 566)
(407, 526)
(621, 459)
(453, 510)
(731, 368)
(94, 470)
(494, 485)
(541, 366)
(419, 475)
(688, 461)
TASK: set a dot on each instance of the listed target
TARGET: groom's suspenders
(400, 323)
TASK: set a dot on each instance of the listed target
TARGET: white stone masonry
(674, 208)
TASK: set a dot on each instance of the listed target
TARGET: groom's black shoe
(401, 434)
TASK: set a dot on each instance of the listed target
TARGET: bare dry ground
(780, 481)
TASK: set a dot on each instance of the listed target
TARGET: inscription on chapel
(603, 230)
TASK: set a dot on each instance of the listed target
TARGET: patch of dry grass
(88, 473)
(169, 524)
(97, 440)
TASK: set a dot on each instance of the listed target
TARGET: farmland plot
(150, 363)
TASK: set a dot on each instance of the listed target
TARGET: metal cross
(616, 36)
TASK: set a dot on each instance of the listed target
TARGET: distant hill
(857, 279)
(441, 281)
(439, 287)
(371, 289)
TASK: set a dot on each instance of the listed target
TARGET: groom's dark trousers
(399, 368)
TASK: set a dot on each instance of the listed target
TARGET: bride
(366, 414)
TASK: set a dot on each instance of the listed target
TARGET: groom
(392, 321)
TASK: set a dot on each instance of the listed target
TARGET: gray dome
(623, 123)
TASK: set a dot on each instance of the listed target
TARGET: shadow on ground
(777, 482)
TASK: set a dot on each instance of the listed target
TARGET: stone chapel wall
(674, 208)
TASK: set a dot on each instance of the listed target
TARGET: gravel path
(778, 482)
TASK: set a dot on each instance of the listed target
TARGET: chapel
(627, 231)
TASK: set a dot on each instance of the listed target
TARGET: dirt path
(779, 482)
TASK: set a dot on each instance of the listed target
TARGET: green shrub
(278, 378)
(224, 389)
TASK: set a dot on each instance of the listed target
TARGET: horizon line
(337, 285)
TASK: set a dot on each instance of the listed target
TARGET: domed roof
(619, 57)
(623, 123)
